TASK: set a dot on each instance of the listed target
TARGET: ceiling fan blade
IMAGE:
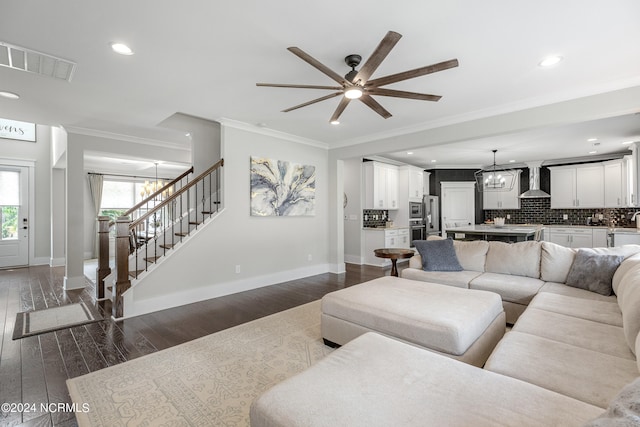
(299, 86)
(378, 55)
(394, 78)
(402, 94)
(318, 65)
(343, 104)
(373, 104)
(333, 95)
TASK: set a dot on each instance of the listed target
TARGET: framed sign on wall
(13, 129)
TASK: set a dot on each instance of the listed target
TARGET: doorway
(14, 214)
(458, 204)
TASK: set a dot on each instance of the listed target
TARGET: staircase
(153, 228)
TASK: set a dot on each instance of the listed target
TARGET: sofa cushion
(437, 255)
(408, 386)
(583, 333)
(562, 289)
(623, 410)
(555, 262)
(629, 302)
(598, 311)
(521, 259)
(622, 270)
(472, 255)
(516, 289)
(458, 279)
(593, 272)
(583, 374)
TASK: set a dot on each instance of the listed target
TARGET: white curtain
(96, 182)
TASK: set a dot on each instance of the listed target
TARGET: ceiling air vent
(20, 58)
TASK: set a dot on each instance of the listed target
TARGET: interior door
(458, 204)
(14, 214)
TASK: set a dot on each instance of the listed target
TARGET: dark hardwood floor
(33, 370)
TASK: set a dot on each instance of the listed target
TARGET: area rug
(210, 381)
(37, 322)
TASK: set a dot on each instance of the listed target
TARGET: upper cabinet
(579, 186)
(416, 183)
(380, 186)
(617, 188)
(492, 199)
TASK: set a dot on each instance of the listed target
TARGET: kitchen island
(506, 233)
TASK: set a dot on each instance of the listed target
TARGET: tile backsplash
(374, 217)
(538, 211)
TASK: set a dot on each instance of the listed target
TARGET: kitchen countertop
(492, 229)
(395, 227)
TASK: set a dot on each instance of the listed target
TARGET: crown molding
(272, 133)
(126, 138)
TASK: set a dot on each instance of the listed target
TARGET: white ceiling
(204, 58)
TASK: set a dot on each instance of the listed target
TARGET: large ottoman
(460, 323)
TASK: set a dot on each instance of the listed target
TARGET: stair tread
(152, 258)
(167, 246)
(135, 273)
(208, 212)
(182, 234)
(194, 223)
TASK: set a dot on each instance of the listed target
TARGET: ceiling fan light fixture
(353, 92)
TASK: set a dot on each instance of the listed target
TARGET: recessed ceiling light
(592, 152)
(335, 122)
(9, 95)
(512, 161)
(409, 153)
(121, 48)
(592, 139)
(433, 161)
(188, 134)
(627, 143)
(550, 61)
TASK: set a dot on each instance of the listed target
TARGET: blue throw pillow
(438, 255)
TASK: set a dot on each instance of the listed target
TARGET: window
(119, 196)
(9, 204)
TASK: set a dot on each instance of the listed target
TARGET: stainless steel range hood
(534, 190)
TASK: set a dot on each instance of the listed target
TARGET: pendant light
(495, 177)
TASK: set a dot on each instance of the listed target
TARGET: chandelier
(148, 188)
(495, 177)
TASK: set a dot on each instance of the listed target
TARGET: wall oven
(416, 210)
(417, 231)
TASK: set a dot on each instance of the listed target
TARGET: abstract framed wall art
(282, 188)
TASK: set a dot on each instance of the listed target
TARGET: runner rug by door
(37, 322)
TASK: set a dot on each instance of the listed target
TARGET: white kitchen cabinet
(579, 186)
(416, 183)
(492, 199)
(570, 237)
(383, 238)
(616, 193)
(600, 237)
(380, 185)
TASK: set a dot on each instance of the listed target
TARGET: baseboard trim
(353, 259)
(57, 262)
(135, 308)
(70, 283)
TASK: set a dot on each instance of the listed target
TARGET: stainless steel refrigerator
(431, 215)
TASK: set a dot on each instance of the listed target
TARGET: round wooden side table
(394, 254)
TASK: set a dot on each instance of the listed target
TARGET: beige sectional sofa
(569, 359)
(515, 271)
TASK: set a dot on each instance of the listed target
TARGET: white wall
(38, 152)
(353, 228)
(267, 249)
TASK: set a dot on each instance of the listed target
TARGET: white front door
(14, 214)
(458, 204)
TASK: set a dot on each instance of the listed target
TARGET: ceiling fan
(357, 84)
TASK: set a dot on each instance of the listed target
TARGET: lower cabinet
(575, 237)
(384, 238)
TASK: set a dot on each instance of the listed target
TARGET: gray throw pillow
(438, 255)
(593, 272)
